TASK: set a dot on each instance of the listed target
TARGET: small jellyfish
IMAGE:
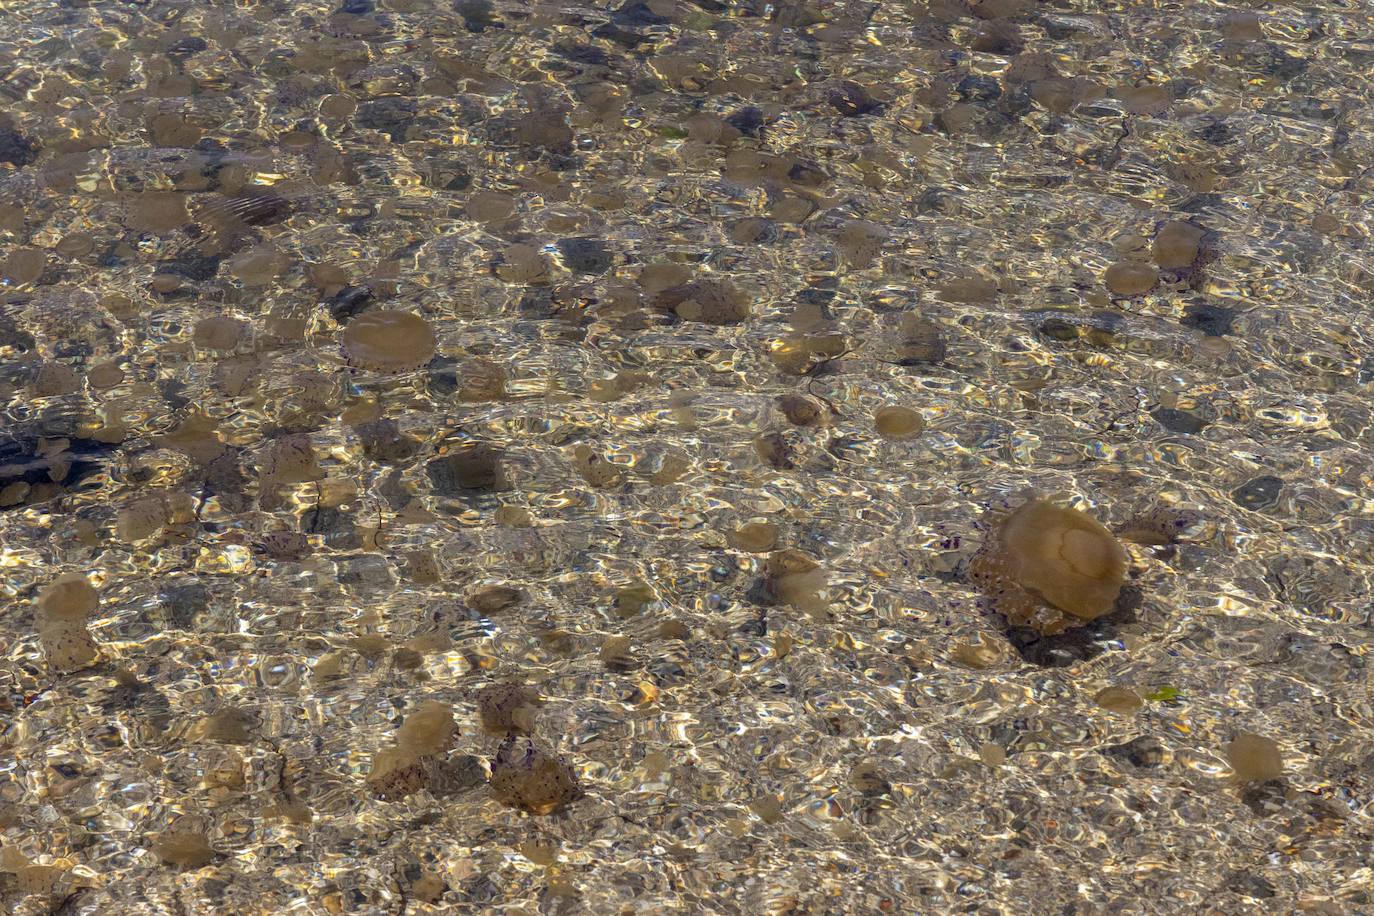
(472, 466)
(919, 342)
(1130, 278)
(1178, 245)
(754, 537)
(63, 610)
(801, 410)
(506, 707)
(633, 598)
(143, 518)
(622, 383)
(285, 545)
(1050, 567)
(481, 380)
(972, 289)
(30, 878)
(594, 469)
(775, 451)
(290, 459)
(184, 846)
(525, 776)
(413, 762)
(1123, 701)
(707, 300)
(218, 332)
(428, 730)
(795, 579)
(617, 653)
(897, 422)
(388, 341)
(490, 599)
(860, 242)
(1254, 758)
(230, 725)
(1160, 526)
(422, 567)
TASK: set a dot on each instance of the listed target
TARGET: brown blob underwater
(1050, 567)
(388, 342)
(525, 776)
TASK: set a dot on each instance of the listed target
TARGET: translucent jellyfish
(1050, 567)
(412, 763)
(507, 707)
(63, 609)
(388, 341)
(526, 776)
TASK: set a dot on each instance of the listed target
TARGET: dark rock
(1259, 493)
(447, 176)
(1144, 752)
(852, 100)
(975, 88)
(225, 480)
(748, 121)
(194, 268)
(1270, 59)
(636, 14)
(1216, 132)
(357, 7)
(442, 376)
(12, 338)
(1057, 328)
(1179, 421)
(478, 15)
(1212, 320)
(349, 302)
(365, 572)
(383, 442)
(589, 55)
(185, 47)
(182, 603)
(1265, 798)
(261, 209)
(22, 462)
(623, 37)
(937, 200)
(998, 38)
(392, 115)
(338, 527)
(1079, 643)
(470, 467)
(18, 149)
(585, 256)
(1252, 886)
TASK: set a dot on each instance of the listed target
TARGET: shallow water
(1113, 254)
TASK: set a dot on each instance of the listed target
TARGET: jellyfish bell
(388, 342)
(1050, 567)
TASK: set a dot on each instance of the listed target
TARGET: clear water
(870, 204)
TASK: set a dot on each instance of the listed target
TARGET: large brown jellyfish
(63, 609)
(388, 341)
(1050, 567)
(524, 775)
(412, 764)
